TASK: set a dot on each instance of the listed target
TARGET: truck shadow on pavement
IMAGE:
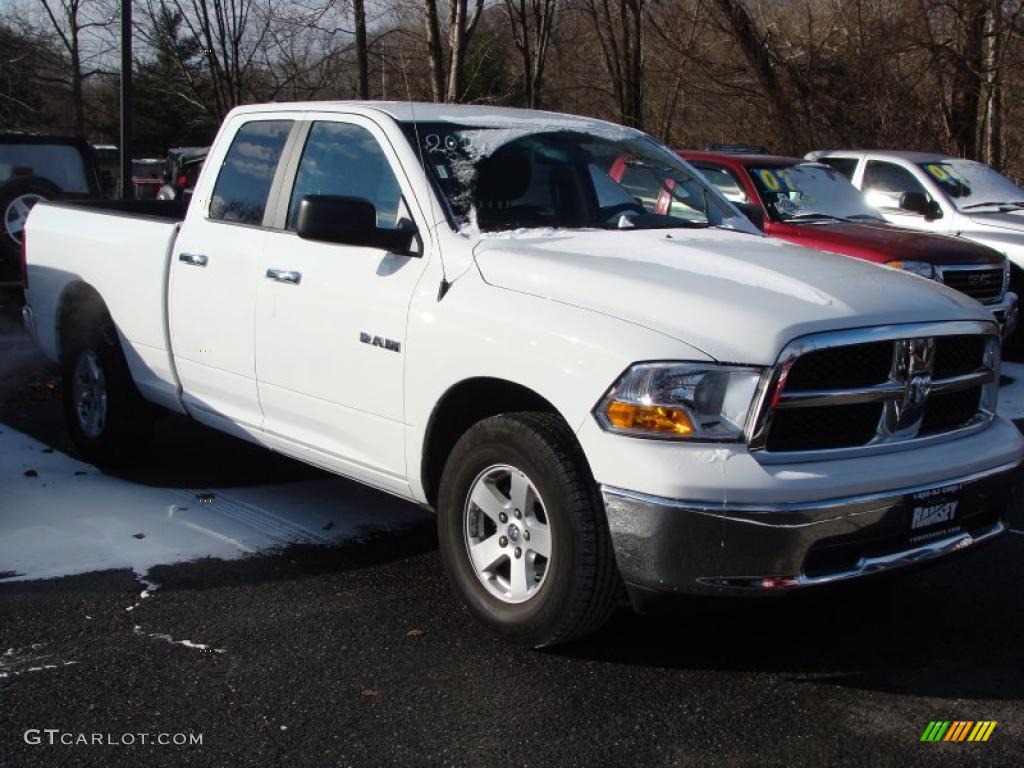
(950, 632)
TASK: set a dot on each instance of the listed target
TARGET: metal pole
(127, 191)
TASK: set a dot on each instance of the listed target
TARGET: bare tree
(620, 26)
(72, 21)
(531, 22)
(447, 72)
(233, 34)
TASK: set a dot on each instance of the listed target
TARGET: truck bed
(120, 250)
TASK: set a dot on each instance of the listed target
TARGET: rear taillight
(24, 259)
(182, 180)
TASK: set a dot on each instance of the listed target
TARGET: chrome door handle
(284, 276)
(195, 259)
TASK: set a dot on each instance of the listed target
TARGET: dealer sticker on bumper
(933, 514)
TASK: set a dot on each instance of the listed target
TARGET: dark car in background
(34, 168)
(183, 167)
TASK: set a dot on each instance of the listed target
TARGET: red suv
(814, 205)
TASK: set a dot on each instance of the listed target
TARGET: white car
(459, 306)
(939, 193)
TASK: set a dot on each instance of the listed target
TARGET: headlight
(919, 268)
(681, 400)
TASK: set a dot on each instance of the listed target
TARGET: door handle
(195, 259)
(284, 276)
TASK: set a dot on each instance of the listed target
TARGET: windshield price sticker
(944, 173)
(775, 180)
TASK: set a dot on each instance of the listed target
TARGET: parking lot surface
(334, 639)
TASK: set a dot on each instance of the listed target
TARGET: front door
(331, 319)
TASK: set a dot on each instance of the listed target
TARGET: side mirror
(350, 221)
(916, 202)
(753, 212)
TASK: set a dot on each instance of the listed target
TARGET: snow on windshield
(971, 184)
(504, 174)
(809, 191)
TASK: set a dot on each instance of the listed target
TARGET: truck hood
(736, 297)
(884, 242)
(1012, 221)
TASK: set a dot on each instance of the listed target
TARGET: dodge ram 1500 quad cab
(458, 305)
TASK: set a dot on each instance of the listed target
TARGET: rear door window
(247, 174)
(845, 165)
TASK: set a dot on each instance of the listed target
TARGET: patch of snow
(87, 522)
(168, 639)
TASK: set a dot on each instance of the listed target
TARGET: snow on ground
(69, 518)
(1011, 394)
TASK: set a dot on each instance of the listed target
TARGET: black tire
(127, 427)
(581, 586)
(33, 186)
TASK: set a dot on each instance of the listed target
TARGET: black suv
(34, 168)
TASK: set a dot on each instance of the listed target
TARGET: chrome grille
(981, 282)
(853, 390)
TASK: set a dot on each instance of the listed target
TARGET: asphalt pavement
(357, 653)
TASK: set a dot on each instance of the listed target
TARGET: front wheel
(107, 418)
(522, 531)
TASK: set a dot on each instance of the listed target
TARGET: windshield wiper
(868, 216)
(992, 205)
(819, 216)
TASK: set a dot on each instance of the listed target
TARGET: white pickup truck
(941, 194)
(459, 306)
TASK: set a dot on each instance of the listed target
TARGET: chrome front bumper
(1006, 312)
(671, 546)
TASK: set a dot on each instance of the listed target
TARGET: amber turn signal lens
(648, 418)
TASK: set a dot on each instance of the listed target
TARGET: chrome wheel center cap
(513, 532)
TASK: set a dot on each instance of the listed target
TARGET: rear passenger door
(330, 392)
(215, 269)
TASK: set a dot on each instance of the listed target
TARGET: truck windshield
(971, 185)
(511, 177)
(809, 192)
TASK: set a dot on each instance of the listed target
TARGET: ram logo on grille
(915, 361)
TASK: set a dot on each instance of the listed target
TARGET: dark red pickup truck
(814, 205)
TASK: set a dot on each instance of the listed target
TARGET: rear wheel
(107, 419)
(522, 531)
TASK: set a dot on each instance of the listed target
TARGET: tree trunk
(759, 58)
(434, 52)
(362, 59)
(457, 50)
(966, 84)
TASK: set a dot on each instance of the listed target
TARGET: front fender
(565, 355)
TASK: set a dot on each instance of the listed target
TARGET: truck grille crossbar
(875, 387)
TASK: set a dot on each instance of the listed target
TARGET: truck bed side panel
(124, 259)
